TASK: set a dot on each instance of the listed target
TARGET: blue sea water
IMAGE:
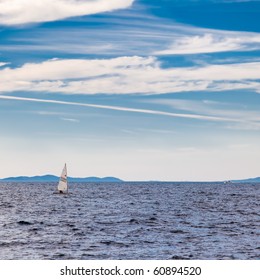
(130, 221)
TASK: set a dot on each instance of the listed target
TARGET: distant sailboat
(63, 183)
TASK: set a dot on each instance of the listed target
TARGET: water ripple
(130, 221)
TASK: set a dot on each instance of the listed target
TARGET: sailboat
(63, 182)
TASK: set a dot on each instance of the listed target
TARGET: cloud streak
(69, 120)
(16, 12)
(128, 32)
(123, 109)
(127, 75)
(3, 64)
(212, 43)
(218, 109)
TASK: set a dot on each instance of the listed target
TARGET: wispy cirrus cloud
(129, 32)
(234, 120)
(69, 120)
(236, 1)
(15, 12)
(126, 75)
(123, 109)
(125, 39)
(3, 64)
(212, 43)
(218, 109)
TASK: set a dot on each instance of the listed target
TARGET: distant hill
(52, 178)
(250, 180)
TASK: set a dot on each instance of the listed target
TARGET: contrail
(119, 108)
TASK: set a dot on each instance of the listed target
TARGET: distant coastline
(250, 180)
(52, 178)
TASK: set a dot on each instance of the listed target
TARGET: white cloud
(14, 12)
(131, 32)
(213, 42)
(126, 75)
(3, 63)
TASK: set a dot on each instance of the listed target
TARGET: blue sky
(138, 89)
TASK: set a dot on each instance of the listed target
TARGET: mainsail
(63, 183)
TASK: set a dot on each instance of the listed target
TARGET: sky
(140, 90)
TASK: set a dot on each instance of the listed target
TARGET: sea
(125, 221)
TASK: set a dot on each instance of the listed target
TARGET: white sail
(63, 183)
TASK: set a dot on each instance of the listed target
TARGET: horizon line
(126, 181)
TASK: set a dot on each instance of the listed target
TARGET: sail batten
(63, 182)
